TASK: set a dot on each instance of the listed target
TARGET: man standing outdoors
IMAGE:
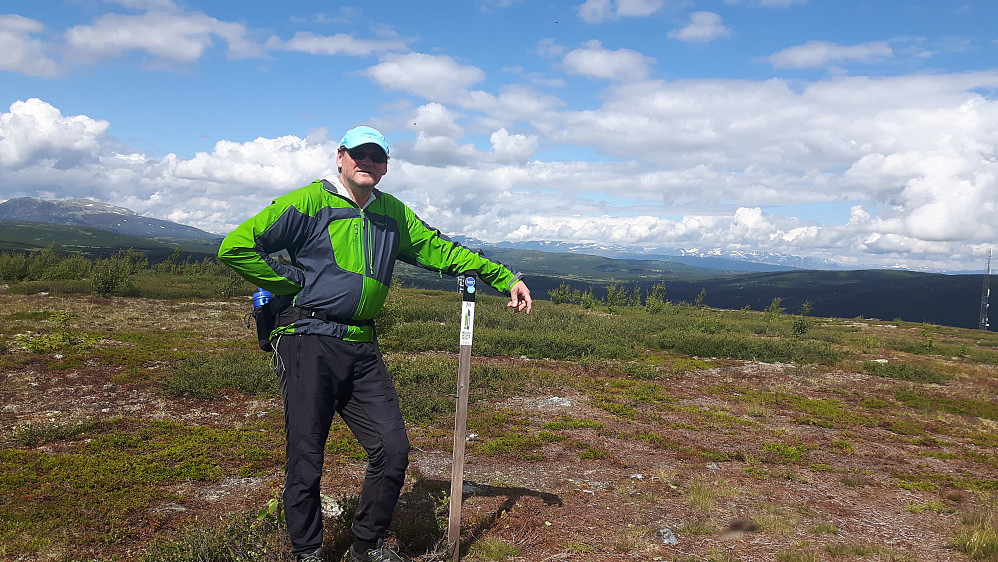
(343, 237)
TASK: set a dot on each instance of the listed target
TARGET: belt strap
(294, 313)
(353, 330)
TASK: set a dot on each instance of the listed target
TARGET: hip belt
(348, 330)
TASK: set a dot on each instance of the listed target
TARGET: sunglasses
(376, 156)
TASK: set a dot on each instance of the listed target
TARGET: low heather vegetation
(140, 422)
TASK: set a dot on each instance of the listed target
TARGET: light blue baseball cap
(364, 135)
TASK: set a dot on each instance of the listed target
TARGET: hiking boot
(380, 553)
(317, 555)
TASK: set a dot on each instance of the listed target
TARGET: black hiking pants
(319, 376)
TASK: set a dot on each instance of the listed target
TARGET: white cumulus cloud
(595, 61)
(20, 52)
(434, 77)
(818, 54)
(596, 11)
(176, 37)
(339, 44)
(35, 132)
(512, 148)
(703, 27)
(436, 119)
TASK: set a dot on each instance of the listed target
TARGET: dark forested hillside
(93, 242)
(951, 300)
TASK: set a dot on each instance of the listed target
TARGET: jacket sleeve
(430, 249)
(247, 249)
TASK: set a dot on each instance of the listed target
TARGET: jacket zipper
(361, 232)
(367, 245)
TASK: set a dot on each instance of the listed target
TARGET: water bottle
(261, 297)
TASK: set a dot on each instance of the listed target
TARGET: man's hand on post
(519, 298)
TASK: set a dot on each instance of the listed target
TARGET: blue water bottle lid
(261, 297)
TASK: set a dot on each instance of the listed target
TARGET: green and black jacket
(343, 256)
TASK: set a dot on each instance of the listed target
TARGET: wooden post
(468, 287)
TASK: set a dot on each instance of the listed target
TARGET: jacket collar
(338, 189)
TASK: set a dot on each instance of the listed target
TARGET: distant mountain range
(86, 212)
(711, 259)
(730, 281)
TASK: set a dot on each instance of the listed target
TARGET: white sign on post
(467, 322)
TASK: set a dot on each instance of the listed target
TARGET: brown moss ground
(742, 461)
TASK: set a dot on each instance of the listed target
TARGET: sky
(862, 132)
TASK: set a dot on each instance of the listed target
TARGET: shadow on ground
(420, 524)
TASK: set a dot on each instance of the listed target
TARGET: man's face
(358, 167)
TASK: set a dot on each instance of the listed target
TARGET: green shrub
(587, 451)
(739, 346)
(425, 385)
(568, 422)
(798, 555)
(110, 275)
(655, 302)
(41, 263)
(13, 268)
(240, 538)
(564, 294)
(616, 297)
(415, 336)
(37, 433)
(148, 284)
(986, 409)
(208, 375)
(788, 453)
(492, 549)
(818, 412)
(523, 445)
(774, 310)
(978, 537)
(63, 338)
(904, 372)
(126, 273)
(53, 286)
(73, 267)
(802, 324)
(550, 345)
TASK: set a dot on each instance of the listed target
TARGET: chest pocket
(381, 245)
(346, 242)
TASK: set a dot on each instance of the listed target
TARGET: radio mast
(985, 293)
